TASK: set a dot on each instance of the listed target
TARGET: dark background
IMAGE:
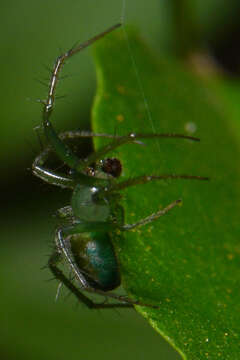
(33, 326)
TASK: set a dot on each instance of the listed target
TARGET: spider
(83, 240)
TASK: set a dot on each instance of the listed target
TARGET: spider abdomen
(95, 257)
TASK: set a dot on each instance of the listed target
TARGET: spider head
(103, 169)
(111, 167)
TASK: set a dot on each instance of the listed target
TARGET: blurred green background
(33, 325)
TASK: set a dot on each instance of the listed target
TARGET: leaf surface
(188, 261)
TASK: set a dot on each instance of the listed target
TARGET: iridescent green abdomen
(94, 255)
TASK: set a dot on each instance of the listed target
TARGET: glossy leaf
(187, 262)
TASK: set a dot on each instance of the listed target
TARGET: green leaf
(186, 262)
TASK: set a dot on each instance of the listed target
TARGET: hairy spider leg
(121, 140)
(143, 180)
(62, 180)
(52, 263)
(53, 177)
(152, 217)
(147, 178)
(56, 178)
(50, 176)
(70, 159)
(63, 248)
(61, 149)
(62, 242)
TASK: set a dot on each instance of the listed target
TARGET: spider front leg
(63, 151)
(50, 176)
(60, 148)
(54, 177)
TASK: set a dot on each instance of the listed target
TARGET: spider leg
(61, 149)
(118, 141)
(147, 178)
(151, 217)
(66, 213)
(128, 139)
(49, 176)
(63, 247)
(75, 134)
(58, 274)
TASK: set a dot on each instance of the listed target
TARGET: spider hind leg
(63, 251)
(59, 275)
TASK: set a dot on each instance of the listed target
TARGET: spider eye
(112, 167)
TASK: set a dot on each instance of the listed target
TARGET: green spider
(83, 240)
